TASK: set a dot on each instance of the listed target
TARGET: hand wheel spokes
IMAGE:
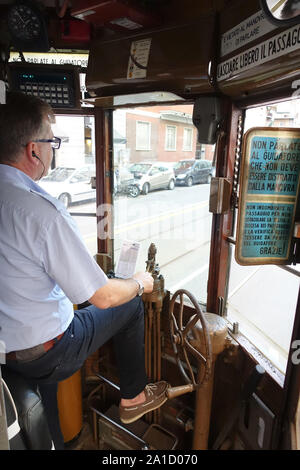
(184, 343)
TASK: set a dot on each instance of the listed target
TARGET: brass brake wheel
(183, 340)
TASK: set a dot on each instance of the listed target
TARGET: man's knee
(134, 313)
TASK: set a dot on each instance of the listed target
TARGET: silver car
(149, 176)
(70, 184)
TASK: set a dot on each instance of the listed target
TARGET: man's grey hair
(22, 120)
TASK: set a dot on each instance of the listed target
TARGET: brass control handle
(174, 392)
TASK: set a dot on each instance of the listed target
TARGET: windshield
(59, 174)
(183, 165)
(140, 168)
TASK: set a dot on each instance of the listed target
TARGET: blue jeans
(90, 329)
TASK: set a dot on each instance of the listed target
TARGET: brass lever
(173, 392)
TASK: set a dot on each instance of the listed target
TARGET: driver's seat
(29, 429)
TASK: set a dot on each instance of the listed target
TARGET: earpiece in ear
(35, 156)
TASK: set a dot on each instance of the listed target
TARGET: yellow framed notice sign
(269, 189)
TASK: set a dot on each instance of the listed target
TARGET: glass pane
(159, 196)
(73, 165)
(187, 139)
(143, 135)
(262, 299)
(170, 138)
(87, 226)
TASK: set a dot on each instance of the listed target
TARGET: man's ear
(31, 153)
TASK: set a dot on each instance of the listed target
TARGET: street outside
(179, 224)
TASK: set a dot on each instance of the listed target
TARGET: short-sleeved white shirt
(45, 267)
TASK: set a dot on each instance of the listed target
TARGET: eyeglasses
(55, 142)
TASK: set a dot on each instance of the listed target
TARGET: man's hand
(146, 279)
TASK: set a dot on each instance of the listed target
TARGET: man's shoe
(156, 395)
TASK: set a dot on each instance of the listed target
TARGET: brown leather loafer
(155, 397)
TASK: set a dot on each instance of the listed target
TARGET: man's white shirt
(45, 267)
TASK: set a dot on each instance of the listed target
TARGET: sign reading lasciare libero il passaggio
(269, 189)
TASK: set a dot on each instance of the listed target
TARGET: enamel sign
(269, 189)
(274, 47)
(252, 28)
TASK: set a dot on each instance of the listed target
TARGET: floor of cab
(85, 440)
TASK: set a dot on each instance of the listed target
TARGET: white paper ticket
(127, 260)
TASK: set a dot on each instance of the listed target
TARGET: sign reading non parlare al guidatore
(269, 189)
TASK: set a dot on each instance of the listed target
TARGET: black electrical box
(207, 118)
(55, 84)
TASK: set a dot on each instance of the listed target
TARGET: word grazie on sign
(268, 195)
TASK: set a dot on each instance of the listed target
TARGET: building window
(170, 138)
(187, 139)
(143, 135)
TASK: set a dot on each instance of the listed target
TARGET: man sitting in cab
(46, 268)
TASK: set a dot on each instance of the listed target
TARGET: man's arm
(119, 291)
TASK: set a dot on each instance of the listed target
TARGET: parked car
(149, 176)
(189, 172)
(70, 184)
